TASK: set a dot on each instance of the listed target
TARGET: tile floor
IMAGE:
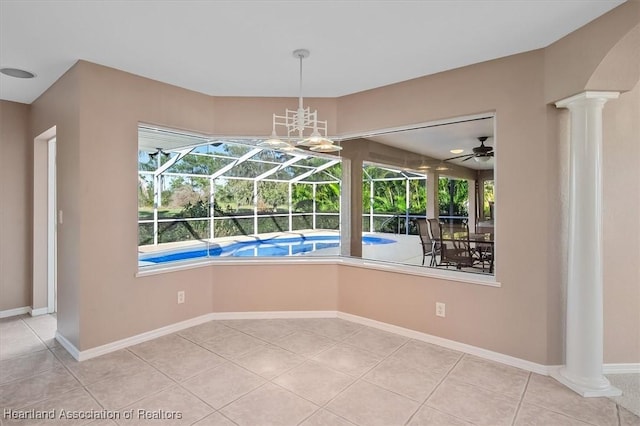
(281, 372)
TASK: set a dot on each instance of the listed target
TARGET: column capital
(586, 96)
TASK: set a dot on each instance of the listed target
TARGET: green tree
(239, 192)
(302, 197)
(273, 194)
(456, 205)
(488, 198)
(145, 191)
(328, 197)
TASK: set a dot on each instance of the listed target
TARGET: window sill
(421, 271)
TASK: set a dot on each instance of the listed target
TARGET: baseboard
(630, 368)
(273, 315)
(70, 347)
(173, 328)
(39, 311)
(13, 312)
(450, 344)
(142, 337)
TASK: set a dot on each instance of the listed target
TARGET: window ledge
(161, 269)
(420, 271)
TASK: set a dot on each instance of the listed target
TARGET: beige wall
(60, 106)
(621, 228)
(114, 303)
(97, 109)
(15, 206)
(275, 288)
(570, 63)
(513, 87)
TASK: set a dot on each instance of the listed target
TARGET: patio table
(484, 244)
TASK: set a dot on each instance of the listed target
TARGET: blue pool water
(270, 247)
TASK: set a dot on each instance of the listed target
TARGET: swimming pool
(270, 247)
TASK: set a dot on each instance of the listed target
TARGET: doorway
(45, 222)
(52, 229)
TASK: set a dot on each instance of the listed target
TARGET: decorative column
(351, 207)
(472, 209)
(582, 371)
(345, 208)
(480, 195)
(433, 206)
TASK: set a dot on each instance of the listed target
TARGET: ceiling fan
(480, 153)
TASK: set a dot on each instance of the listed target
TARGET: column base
(601, 388)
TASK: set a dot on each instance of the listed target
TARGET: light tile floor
(307, 372)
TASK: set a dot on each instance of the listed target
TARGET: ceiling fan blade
(468, 158)
(459, 156)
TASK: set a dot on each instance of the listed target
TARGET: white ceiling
(243, 48)
(438, 139)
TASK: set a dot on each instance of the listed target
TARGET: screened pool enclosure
(191, 188)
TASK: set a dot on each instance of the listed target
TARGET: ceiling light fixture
(424, 166)
(481, 158)
(442, 167)
(154, 155)
(457, 151)
(297, 122)
(17, 73)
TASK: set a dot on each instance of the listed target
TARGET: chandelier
(302, 125)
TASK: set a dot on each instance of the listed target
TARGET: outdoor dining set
(450, 244)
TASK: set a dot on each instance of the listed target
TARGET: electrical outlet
(440, 309)
(181, 297)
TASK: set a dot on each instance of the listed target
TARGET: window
(200, 198)
(391, 200)
(454, 164)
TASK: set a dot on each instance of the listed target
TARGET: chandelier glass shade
(423, 165)
(481, 158)
(442, 167)
(301, 126)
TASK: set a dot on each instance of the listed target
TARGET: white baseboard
(630, 368)
(450, 344)
(13, 312)
(173, 328)
(273, 315)
(39, 311)
(73, 351)
(140, 338)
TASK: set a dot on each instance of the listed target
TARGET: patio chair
(455, 247)
(428, 244)
(483, 253)
(433, 228)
